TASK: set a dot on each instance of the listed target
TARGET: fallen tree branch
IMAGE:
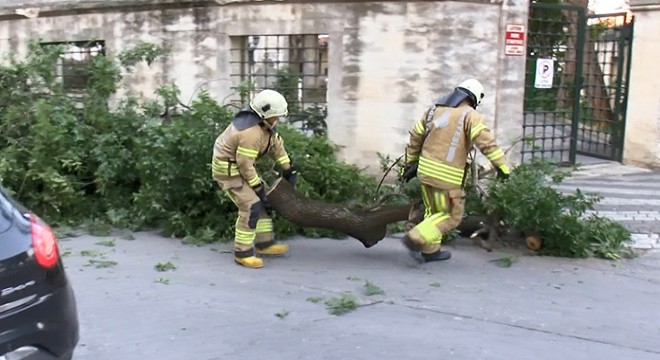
(380, 203)
(387, 172)
(371, 303)
(368, 227)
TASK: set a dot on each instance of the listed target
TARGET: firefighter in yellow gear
(251, 135)
(437, 153)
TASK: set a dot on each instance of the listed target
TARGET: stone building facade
(374, 65)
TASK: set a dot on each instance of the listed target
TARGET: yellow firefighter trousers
(253, 226)
(443, 213)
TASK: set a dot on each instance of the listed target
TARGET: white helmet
(474, 88)
(269, 103)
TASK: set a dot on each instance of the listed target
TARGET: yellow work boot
(251, 262)
(272, 248)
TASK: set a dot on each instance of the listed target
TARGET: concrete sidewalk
(465, 308)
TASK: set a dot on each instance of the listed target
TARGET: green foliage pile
(341, 305)
(528, 203)
(75, 160)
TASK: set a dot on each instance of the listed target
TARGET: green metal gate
(576, 94)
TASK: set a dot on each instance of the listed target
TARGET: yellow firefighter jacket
(440, 144)
(238, 148)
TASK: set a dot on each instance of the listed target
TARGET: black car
(38, 314)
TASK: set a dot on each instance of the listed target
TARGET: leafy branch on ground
(101, 264)
(505, 261)
(163, 280)
(108, 243)
(138, 164)
(90, 253)
(100, 161)
(341, 305)
(282, 314)
(315, 299)
(371, 289)
(527, 202)
(162, 267)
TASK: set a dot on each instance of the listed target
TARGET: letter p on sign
(545, 72)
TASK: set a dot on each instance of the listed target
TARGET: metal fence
(603, 102)
(582, 110)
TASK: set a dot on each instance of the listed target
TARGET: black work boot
(439, 255)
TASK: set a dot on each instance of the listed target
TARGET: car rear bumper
(49, 325)
(31, 353)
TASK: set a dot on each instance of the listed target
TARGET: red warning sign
(514, 42)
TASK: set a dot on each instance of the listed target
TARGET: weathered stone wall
(191, 34)
(642, 142)
(387, 60)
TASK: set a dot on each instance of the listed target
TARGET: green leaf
(341, 305)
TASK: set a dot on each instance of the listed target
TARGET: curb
(606, 170)
(645, 241)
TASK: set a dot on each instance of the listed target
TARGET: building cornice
(56, 8)
(644, 5)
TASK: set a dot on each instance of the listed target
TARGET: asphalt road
(466, 308)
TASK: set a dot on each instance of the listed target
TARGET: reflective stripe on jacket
(236, 151)
(441, 143)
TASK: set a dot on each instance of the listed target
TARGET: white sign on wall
(545, 72)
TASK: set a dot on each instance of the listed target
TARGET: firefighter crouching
(251, 135)
(437, 153)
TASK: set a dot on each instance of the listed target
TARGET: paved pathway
(207, 308)
(630, 196)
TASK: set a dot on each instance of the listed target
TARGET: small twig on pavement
(371, 303)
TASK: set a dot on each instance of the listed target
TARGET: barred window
(294, 65)
(73, 66)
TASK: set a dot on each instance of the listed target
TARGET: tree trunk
(368, 227)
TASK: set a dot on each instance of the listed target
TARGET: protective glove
(260, 190)
(291, 175)
(503, 172)
(409, 172)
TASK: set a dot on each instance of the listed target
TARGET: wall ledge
(35, 8)
(644, 5)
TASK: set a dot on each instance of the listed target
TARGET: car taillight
(44, 243)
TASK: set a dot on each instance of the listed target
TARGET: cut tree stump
(368, 227)
(534, 241)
